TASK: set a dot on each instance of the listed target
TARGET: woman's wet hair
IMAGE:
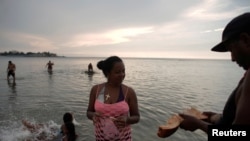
(71, 135)
(107, 65)
(67, 117)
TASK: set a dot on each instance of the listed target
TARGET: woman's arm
(133, 107)
(91, 108)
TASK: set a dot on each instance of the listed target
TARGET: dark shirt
(229, 110)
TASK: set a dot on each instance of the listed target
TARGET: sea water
(163, 87)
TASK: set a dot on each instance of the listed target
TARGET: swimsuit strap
(121, 96)
(97, 91)
(126, 93)
(100, 93)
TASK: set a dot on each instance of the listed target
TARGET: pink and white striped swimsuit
(105, 130)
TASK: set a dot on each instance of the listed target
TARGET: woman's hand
(96, 116)
(120, 122)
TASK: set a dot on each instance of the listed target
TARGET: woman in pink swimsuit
(112, 105)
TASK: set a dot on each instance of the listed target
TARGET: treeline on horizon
(28, 54)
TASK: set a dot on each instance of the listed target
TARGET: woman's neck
(109, 84)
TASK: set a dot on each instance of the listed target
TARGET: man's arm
(242, 106)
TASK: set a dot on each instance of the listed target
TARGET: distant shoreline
(138, 58)
(32, 56)
(28, 54)
(48, 54)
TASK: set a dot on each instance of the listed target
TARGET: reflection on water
(13, 92)
(90, 76)
(50, 72)
(12, 86)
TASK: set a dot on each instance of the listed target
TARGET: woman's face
(117, 73)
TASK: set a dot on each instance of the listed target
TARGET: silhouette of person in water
(90, 68)
(11, 71)
(49, 65)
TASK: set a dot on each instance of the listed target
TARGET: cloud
(214, 10)
(151, 28)
(215, 30)
(110, 37)
(197, 23)
(35, 42)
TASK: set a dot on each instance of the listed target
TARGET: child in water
(44, 132)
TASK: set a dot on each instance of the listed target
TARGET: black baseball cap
(236, 26)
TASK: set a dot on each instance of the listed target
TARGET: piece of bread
(171, 126)
(173, 122)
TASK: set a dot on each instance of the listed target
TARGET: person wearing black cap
(235, 39)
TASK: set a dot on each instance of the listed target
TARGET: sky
(126, 28)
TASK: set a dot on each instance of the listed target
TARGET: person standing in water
(49, 65)
(90, 68)
(11, 71)
(113, 106)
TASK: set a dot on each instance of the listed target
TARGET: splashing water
(75, 122)
(18, 132)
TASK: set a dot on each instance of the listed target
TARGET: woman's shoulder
(128, 89)
(127, 86)
(97, 86)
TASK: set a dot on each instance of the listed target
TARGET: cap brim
(220, 47)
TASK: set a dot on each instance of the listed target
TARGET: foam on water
(17, 131)
(75, 122)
